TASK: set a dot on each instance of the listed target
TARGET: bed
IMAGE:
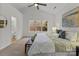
(42, 45)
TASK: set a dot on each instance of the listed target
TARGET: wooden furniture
(75, 46)
(27, 46)
(77, 50)
(29, 43)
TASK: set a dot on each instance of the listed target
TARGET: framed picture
(3, 21)
(71, 18)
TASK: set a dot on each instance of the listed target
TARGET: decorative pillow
(53, 35)
(62, 33)
(72, 36)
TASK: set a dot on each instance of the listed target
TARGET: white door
(13, 28)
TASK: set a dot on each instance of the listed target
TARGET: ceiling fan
(37, 5)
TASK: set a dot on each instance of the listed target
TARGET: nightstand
(77, 50)
(74, 44)
(28, 45)
(75, 47)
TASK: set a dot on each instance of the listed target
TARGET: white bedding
(41, 44)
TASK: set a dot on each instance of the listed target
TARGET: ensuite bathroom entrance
(13, 28)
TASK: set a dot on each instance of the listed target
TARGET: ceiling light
(36, 5)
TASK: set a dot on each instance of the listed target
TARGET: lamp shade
(54, 29)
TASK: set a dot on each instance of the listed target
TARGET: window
(38, 25)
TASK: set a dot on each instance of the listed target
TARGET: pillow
(72, 36)
(58, 31)
(62, 34)
(77, 36)
(52, 35)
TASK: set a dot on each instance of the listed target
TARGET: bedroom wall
(34, 14)
(54, 17)
(67, 8)
(5, 33)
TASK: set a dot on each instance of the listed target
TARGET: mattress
(42, 44)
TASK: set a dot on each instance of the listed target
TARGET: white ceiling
(49, 8)
(19, 5)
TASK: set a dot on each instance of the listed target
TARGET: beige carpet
(15, 49)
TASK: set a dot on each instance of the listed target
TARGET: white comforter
(42, 44)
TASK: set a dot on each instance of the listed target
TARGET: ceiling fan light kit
(37, 5)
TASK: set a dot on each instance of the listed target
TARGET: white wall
(34, 14)
(54, 17)
(5, 33)
(67, 8)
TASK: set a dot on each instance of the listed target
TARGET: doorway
(13, 28)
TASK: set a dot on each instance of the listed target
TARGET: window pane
(37, 25)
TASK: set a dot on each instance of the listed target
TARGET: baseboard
(9, 44)
(5, 46)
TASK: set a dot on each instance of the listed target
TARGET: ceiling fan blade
(31, 5)
(42, 4)
(38, 7)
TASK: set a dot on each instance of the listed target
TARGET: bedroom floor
(16, 49)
